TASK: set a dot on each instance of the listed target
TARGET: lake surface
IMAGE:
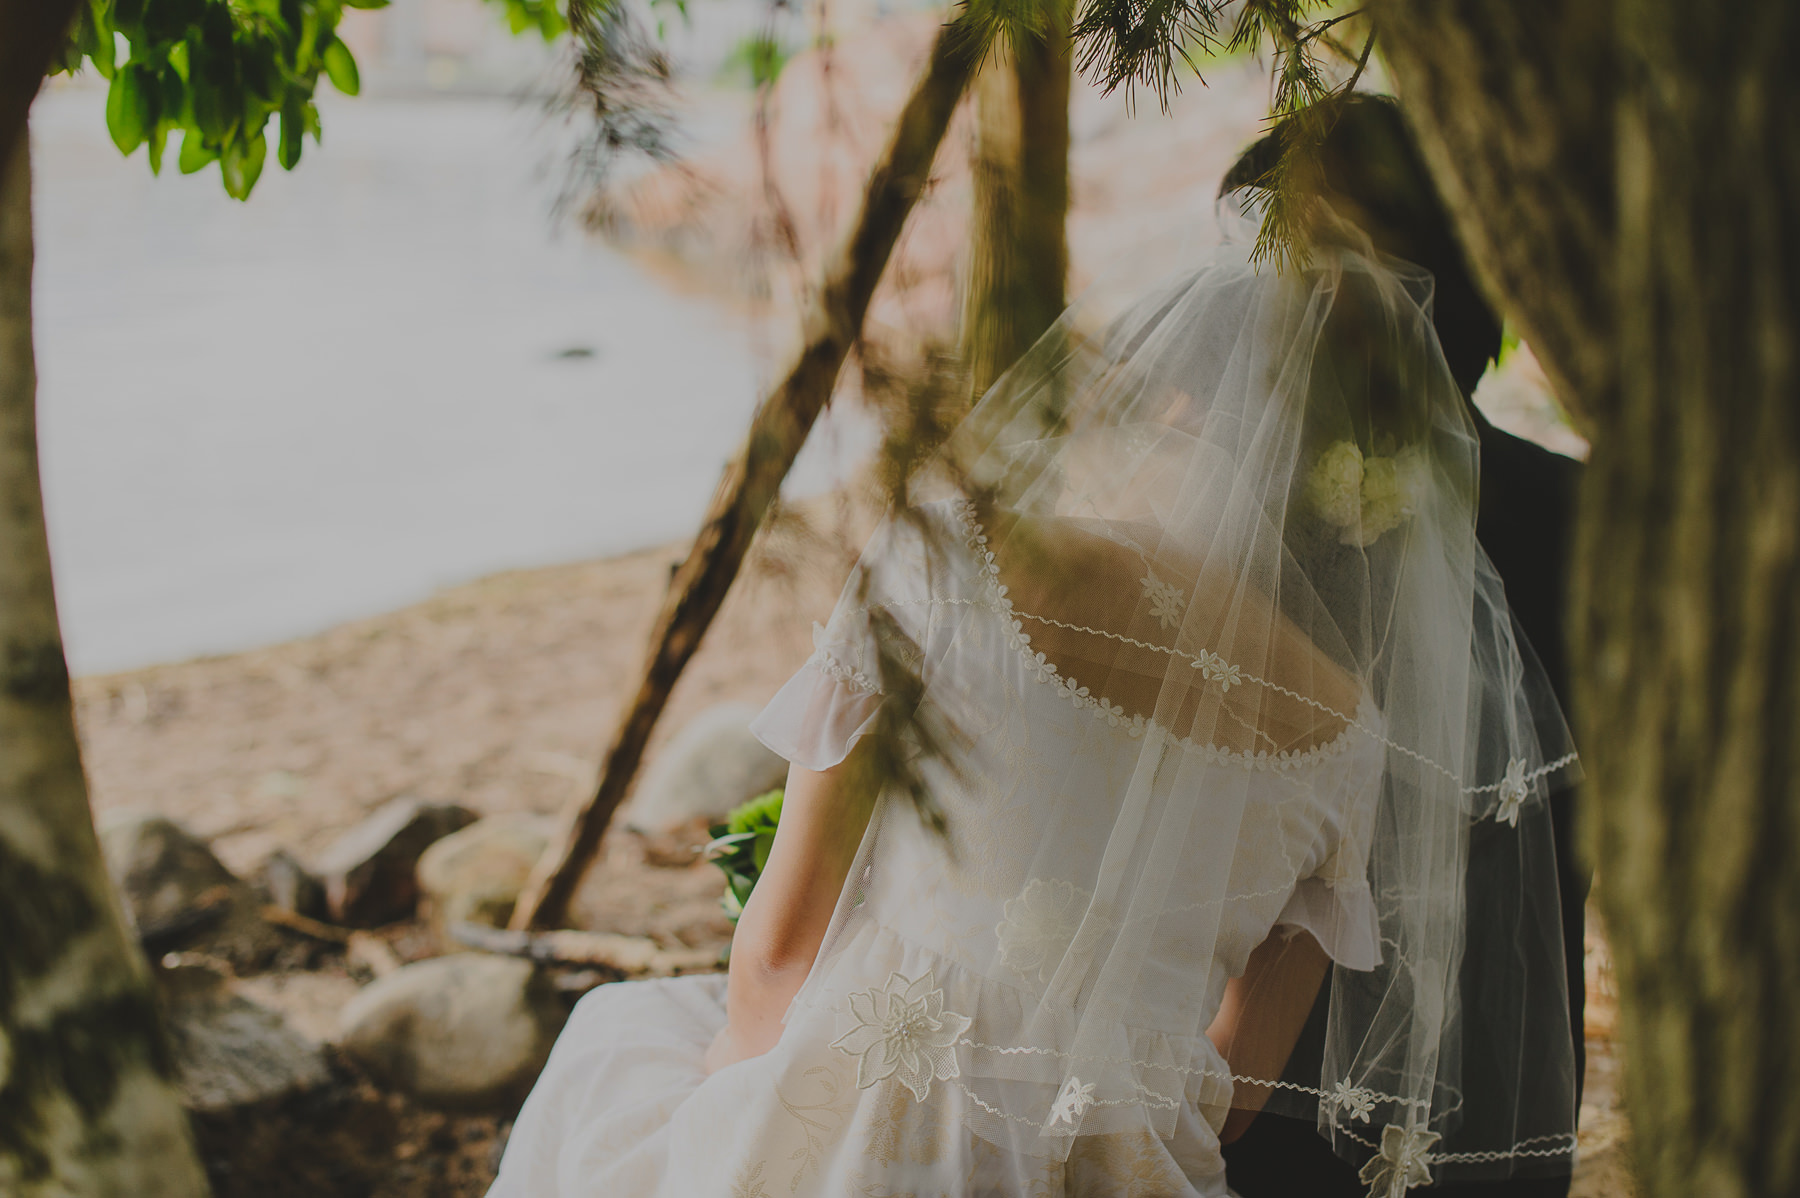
(387, 373)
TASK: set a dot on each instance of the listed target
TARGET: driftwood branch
(832, 325)
(633, 956)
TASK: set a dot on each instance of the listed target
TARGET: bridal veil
(1231, 528)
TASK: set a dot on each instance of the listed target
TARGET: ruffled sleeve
(821, 712)
(1340, 916)
(1333, 902)
(835, 698)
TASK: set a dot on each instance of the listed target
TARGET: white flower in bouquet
(1366, 497)
(1334, 488)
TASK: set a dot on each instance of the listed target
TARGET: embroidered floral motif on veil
(1405, 1162)
(902, 1031)
(1356, 1101)
(1165, 598)
(1072, 1101)
(1214, 668)
(1513, 792)
(1041, 927)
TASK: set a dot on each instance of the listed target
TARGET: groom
(1376, 177)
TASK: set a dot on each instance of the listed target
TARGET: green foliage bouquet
(740, 846)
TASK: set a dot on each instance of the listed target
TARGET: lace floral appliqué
(1405, 1162)
(1356, 1101)
(1041, 925)
(1513, 791)
(1166, 602)
(1214, 668)
(1072, 1101)
(902, 1031)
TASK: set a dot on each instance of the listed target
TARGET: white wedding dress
(910, 1063)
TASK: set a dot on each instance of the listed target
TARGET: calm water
(385, 374)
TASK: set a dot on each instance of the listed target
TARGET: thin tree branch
(833, 322)
(1363, 61)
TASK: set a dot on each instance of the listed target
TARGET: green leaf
(293, 129)
(172, 97)
(241, 164)
(759, 56)
(159, 138)
(195, 153)
(340, 68)
(207, 101)
(365, 3)
(102, 48)
(128, 113)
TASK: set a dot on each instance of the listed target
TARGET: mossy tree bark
(1019, 251)
(87, 1107)
(1628, 178)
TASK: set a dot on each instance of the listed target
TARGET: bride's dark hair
(1376, 178)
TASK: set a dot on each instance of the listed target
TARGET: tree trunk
(31, 36)
(1512, 104)
(86, 1103)
(833, 323)
(1019, 250)
(1652, 184)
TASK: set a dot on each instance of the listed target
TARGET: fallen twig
(633, 956)
(293, 921)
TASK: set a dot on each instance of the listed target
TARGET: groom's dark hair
(1376, 178)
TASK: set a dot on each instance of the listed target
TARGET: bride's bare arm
(1262, 1016)
(823, 817)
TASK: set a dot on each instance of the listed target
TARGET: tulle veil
(1230, 526)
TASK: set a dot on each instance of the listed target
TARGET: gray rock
(368, 871)
(229, 1051)
(291, 886)
(475, 875)
(465, 1031)
(171, 883)
(710, 766)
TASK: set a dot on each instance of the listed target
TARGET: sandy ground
(498, 695)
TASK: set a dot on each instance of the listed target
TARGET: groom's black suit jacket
(1526, 520)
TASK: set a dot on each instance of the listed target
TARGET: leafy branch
(214, 71)
(1307, 104)
(1147, 43)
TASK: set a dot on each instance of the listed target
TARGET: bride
(1192, 685)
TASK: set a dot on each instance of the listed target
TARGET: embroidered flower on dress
(1166, 602)
(1040, 927)
(1405, 1162)
(902, 1031)
(1513, 791)
(1072, 1101)
(1357, 1101)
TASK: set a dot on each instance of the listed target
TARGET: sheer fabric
(1207, 659)
(1218, 654)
